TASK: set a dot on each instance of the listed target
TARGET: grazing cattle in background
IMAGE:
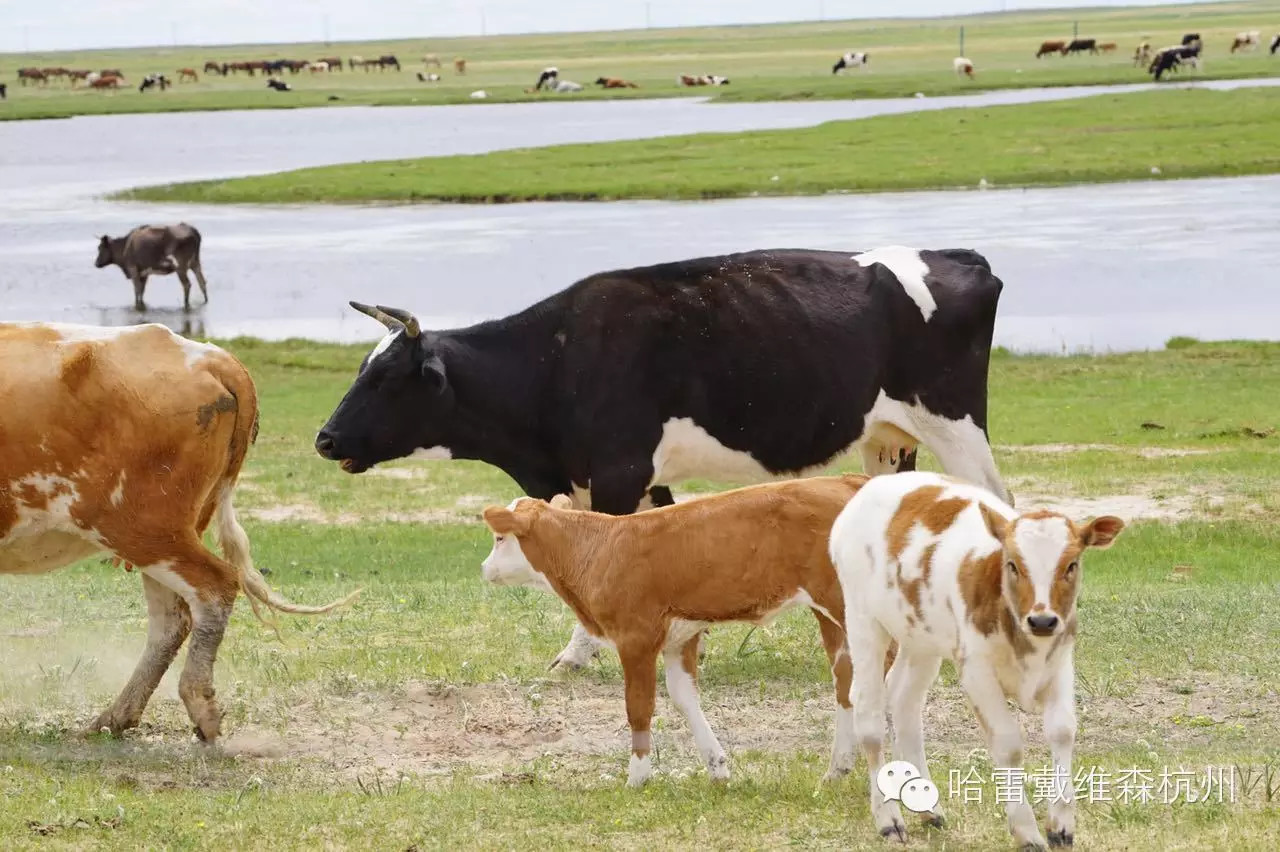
(79, 76)
(460, 65)
(317, 67)
(1051, 47)
(154, 81)
(478, 95)
(431, 61)
(1246, 41)
(548, 75)
(615, 83)
(634, 380)
(212, 67)
(652, 582)
(129, 441)
(1275, 44)
(1190, 39)
(1107, 47)
(561, 87)
(185, 74)
(1142, 54)
(949, 571)
(106, 82)
(850, 60)
(4, 91)
(962, 66)
(433, 77)
(388, 61)
(112, 72)
(155, 250)
(1079, 45)
(334, 63)
(354, 61)
(279, 85)
(27, 76)
(1173, 58)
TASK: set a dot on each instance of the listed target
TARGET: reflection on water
(189, 323)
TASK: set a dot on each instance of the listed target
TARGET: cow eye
(497, 539)
(1013, 568)
(1071, 569)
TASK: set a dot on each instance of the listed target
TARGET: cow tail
(231, 537)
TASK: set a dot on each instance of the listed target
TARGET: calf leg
(168, 623)
(1004, 742)
(640, 673)
(868, 645)
(682, 687)
(1060, 731)
(186, 287)
(842, 748)
(139, 287)
(908, 685)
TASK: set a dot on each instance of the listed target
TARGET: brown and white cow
(1246, 41)
(129, 441)
(653, 581)
(949, 571)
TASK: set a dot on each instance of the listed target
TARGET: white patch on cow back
(1041, 541)
(436, 453)
(194, 350)
(909, 268)
(383, 345)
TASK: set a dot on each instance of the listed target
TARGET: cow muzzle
(1043, 623)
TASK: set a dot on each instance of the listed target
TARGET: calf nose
(1042, 623)
(324, 445)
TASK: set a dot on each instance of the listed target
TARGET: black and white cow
(547, 77)
(850, 60)
(1173, 58)
(736, 368)
(1275, 44)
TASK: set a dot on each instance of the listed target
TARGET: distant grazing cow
(634, 380)
(279, 85)
(615, 83)
(333, 63)
(129, 441)
(105, 82)
(154, 81)
(951, 572)
(1142, 54)
(548, 75)
(212, 67)
(317, 67)
(4, 91)
(460, 66)
(1079, 45)
(559, 87)
(1107, 47)
(185, 74)
(1050, 47)
(478, 95)
(155, 250)
(651, 583)
(388, 61)
(1190, 38)
(1275, 44)
(431, 61)
(850, 60)
(1246, 41)
(354, 61)
(963, 67)
(79, 76)
(112, 72)
(27, 76)
(428, 78)
(1173, 58)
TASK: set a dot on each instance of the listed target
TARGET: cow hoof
(896, 832)
(933, 820)
(1062, 838)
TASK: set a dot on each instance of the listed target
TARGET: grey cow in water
(155, 250)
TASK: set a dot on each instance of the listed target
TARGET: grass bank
(1140, 136)
(423, 715)
(770, 62)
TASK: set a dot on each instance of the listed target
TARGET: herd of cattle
(1164, 60)
(596, 401)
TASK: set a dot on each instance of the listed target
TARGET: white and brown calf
(650, 583)
(949, 571)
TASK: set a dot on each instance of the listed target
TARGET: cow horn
(380, 315)
(411, 327)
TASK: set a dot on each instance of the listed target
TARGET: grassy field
(424, 717)
(774, 62)
(1139, 136)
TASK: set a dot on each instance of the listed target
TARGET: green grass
(773, 62)
(423, 714)
(1096, 139)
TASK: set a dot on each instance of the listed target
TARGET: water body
(1095, 267)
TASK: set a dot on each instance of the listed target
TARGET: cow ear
(433, 372)
(503, 521)
(1100, 532)
(562, 501)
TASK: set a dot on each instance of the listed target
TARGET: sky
(41, 25)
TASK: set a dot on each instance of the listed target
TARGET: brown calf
(651, 582)
(185, 74)
(129, 441)
(105, 83)
(615, 83)
(1047, 47)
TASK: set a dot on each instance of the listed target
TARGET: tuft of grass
(1087, 140)
(1181, 342)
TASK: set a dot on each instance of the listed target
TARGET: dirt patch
(282, 513)
(1143, 452)
(1130, 507)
